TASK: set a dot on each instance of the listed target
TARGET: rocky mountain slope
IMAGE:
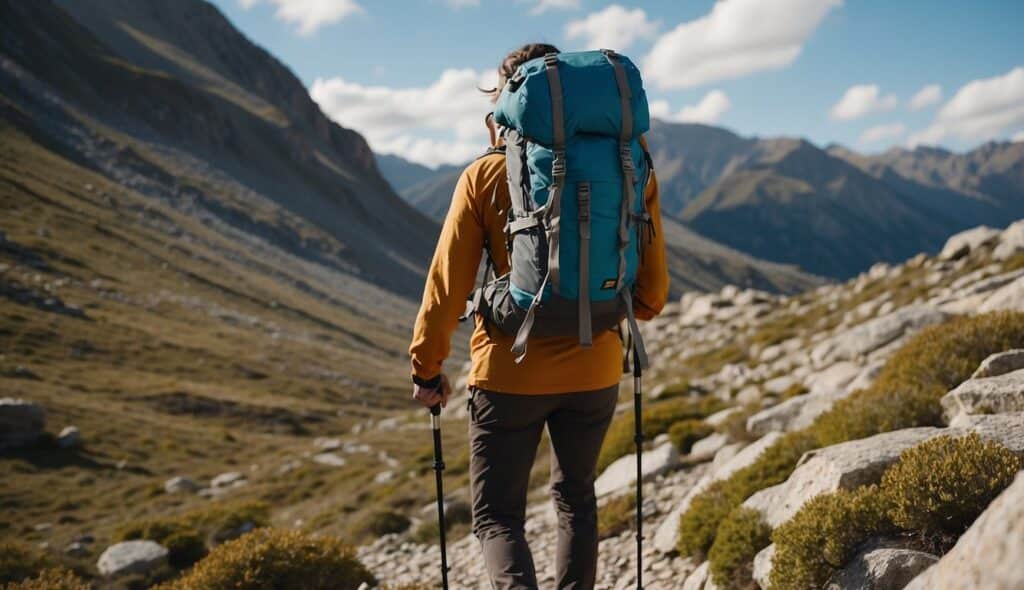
(809, 403)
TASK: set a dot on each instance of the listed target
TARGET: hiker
(554, 381)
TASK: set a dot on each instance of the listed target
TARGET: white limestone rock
(622, 472)
(131, 557)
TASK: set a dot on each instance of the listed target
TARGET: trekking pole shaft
(639, 439)
(435, 426)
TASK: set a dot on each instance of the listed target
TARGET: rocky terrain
(778, 364)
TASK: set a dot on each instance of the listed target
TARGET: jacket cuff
(431, 383)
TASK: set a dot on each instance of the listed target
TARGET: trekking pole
(638, 438)
(435, 425)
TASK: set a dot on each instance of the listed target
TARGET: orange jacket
(553, 365)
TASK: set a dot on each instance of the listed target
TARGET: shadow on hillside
(46, 457)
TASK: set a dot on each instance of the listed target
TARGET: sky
(868, 74)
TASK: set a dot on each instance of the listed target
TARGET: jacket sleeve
(450, 280)
(652, 276)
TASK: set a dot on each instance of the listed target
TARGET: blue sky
(402, 71)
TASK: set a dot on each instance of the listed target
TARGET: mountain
(172, 93)
(402, 173)
(432, 194)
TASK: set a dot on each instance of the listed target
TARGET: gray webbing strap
(553, 208)
(583, 294)
(634, 329)
(522, 224)
(523, 334)
(625, 160)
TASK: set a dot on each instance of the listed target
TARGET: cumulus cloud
(309, 15)
(925, 97)
(738, 37)
(542, 6)
(613, 28)
(880, 133)
(709, 110)
(981, 109)
(860, 100)
(398, 120)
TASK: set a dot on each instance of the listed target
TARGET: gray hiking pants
(504, 432)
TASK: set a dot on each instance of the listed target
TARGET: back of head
(516, 58)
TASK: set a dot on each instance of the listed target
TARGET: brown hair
(513, 60)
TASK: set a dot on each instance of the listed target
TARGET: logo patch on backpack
(610, 284)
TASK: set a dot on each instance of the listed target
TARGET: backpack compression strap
(551, 212)
(629, 196)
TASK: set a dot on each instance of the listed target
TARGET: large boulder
(1000, 394)
(963, 243)
(763, 566)
(1008, 298)
(668, 531)
(874, 334)
(794, 413)
(1005, 429)
(131, 557)
(707, 447)
(698, 578)
(989, 554)
(846, 465)
(1011, 242)
(881, 569)
(21, 422)
(622, 473)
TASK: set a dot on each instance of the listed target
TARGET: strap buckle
(558, 164)
(583, 202)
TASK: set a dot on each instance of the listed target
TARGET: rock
(1005, 429)
(846, 465)
(835, 378)
(76, 549)
(963, 243)
(179, 484)
(226, 480)
(999, 394)
(1000, 364)
(1008, 298)
(776, 418)
(69, 437)
(881, 569)
(698, 578)
(668, 531)
(1011, 242)
(721, 417)
(21, 423)
(725, 454)
(874, 334)
(763, 566)
(989, 554)
(131, 557)
(327, 444)
(329, 459)
(622, 473)
(706, 447)
(866, 376)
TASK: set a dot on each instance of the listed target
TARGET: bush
(51, 579)
(740, 537)
(615, 516)
(657, 418)
(906, 394)
(824, 535)
(382, 522)
(19, 561)
(268, 558)
(942, 485)
(186, 536)
(683, 434)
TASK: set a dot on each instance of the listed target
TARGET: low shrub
(187, 536)
(740, 537)
(51, 579)
(427, 532)
(382, 522)
(942, 485)
(906, 394)
(615, 516)
(269, 558)
(824, 535)
(657, 419)
(19, 561)
(686, 432)
(793, 391)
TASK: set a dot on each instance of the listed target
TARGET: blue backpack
(571, 123)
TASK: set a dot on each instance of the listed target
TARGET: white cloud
(1019, 136)
(738, 37)
(309, 15)
(925, 97)
(709, 110)
(981, 109)
(542, 6)
(860, 100)
(398, 120)
(880, 133)
(612, 28)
